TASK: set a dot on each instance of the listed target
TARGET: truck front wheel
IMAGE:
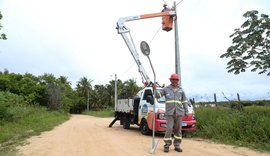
(144, 128)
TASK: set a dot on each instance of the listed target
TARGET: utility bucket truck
(138, 110)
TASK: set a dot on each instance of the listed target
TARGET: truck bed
(124, 105)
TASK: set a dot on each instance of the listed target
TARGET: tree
(54, 96)
(2, 36)
(84, 86)
(130, 87)
(53, 91)
(111, 90)
(250, 45)
(101, 97)
(69, 97)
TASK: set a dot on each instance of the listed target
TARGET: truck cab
(145, 114)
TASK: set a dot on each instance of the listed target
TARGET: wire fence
(227, 97)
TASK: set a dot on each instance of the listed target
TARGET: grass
(248, 127)
(27, 121)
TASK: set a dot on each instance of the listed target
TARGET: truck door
(145, 107)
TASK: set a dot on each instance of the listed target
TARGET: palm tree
(84, 86)
(131, 87)
(101, 96)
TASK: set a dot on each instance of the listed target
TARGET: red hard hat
(174, 77)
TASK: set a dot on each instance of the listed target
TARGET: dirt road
(90, 136)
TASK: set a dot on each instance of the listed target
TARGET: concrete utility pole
(177, 51)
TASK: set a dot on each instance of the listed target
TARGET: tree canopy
(2, 36)
(56, 93)
(250, 45)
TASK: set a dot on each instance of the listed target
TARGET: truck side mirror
(150, 99)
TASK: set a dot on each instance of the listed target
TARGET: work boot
(166, 149)
(178, 149)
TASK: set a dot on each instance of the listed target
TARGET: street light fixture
(146, 51)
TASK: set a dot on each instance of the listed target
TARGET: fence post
(215, 99)
(238, 97)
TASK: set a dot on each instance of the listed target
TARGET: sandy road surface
(90, 136)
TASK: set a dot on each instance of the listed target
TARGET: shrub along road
(84, 135)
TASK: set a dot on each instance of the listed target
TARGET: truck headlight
(161, 116)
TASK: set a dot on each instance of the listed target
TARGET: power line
(127, 70)
(178, 3)
(155, 35)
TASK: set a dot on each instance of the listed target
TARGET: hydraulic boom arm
(167, 20)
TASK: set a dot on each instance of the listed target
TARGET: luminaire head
(145, 48)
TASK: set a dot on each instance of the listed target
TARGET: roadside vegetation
(20, 120)
(237, 123)
(32, 104)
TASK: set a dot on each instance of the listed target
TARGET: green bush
(8, 101)
(19, 120)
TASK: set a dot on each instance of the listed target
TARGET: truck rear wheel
(144, 128)
(126, 123)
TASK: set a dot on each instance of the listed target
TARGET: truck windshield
(161, 99)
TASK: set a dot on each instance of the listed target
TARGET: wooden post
(215, 99)
(238, 97)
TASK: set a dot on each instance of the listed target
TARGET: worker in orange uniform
(176, 107)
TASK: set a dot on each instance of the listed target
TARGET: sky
(78, 38)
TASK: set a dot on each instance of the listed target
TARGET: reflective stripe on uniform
(177, 137)
(176, 101)
(167, 139)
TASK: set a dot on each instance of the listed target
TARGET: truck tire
(144, 128)
(126, 123)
